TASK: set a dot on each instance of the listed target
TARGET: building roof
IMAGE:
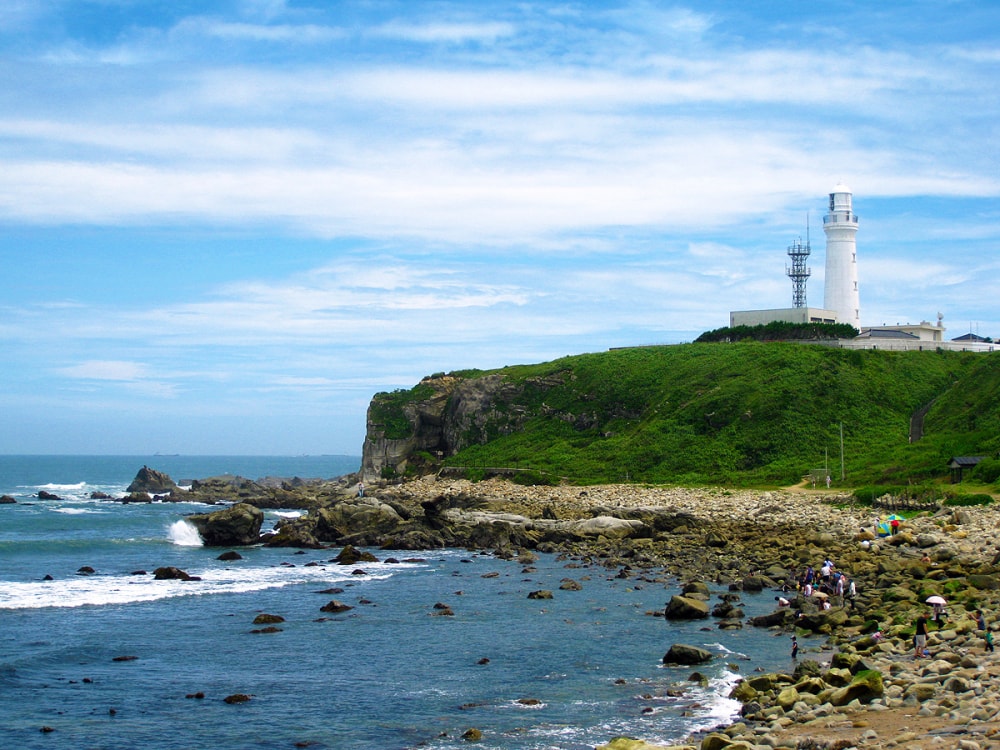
(969, 337)
(963, 461)
(885, 333)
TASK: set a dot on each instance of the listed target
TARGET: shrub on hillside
(987, 470)
(965, 501)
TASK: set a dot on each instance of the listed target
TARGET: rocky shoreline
(872, 692)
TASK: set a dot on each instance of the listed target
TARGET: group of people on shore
(825, 584)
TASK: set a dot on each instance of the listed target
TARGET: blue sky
(226, 224)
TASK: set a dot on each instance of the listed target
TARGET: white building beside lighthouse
(841, 283)
(841, 302)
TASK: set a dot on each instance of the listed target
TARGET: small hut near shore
(958, 464)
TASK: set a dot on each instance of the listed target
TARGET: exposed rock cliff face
(457, 412)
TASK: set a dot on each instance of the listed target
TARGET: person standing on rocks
(981, 626)
(920, 637)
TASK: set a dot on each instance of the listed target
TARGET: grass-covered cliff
(738, 414)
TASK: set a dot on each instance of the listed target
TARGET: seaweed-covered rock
(685, 608)
(865, 687)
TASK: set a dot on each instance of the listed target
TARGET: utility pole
(841, 451)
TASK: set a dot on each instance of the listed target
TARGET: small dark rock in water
(358, 572)
(87, 681)
(266, 619)
(350, 555)
(472, 735)
(48, 578)
(6, 500)
(332, 592)
(170, 573)
(231, 555)
(43, 495)
(112, 711)
(46, 730)
(199, 695)
(125, 658)
(484, 660)
(85, 570)
(335, 607)
(543, 594)
(138, 573)
(268, 629)
(237, 698)
(137, 497)
(529, 701)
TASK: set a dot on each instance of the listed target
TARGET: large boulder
(680, 653)
(238, 525)
(151, 481)
(361, 516)
(865, 687)
(292, 535)
(685, 608)
(607, 526)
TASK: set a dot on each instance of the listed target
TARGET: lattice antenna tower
(799, 272)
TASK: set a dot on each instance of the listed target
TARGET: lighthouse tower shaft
(841, 287)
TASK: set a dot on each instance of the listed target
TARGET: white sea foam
(288, 513)
(62, 487)
(97, 590)
(75, 511)
(716, 705)
(184, 534)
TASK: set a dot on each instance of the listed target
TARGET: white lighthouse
(841, 228)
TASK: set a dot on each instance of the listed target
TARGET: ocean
(114, 660)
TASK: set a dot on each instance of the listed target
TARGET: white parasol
(936, 600)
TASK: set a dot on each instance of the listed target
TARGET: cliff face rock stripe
(456, 413)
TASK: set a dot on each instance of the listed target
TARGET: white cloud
(98, 369)
(471, 188)
(451, 33)
(255, 32)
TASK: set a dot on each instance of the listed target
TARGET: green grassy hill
(738, 414)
